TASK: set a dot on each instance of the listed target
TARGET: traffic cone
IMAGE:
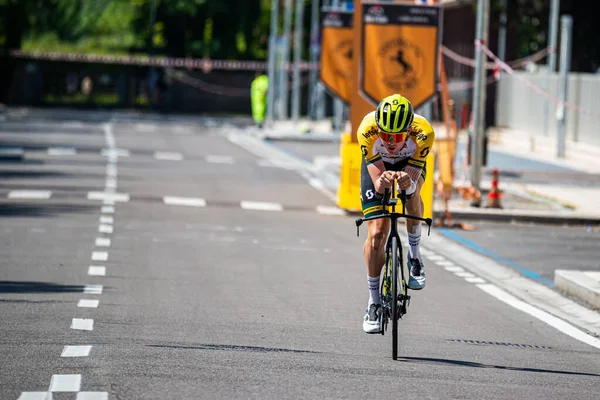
(494, 194)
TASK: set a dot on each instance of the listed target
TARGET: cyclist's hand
(386, 179)
(404, 181)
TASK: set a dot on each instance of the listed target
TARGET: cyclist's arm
(376, 171)
(413, 172)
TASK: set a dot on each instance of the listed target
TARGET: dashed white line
(88, 303)
(326, 210)
(99, 256)
(76, 351)
(435, 258)
(62, 151)
(96, 270)
(93, 289)
(464, 274)
(262, 206)
(108, 196)
(549, 319)
(102, 242)
(30, 194)
(454, 269)
(444, 263)
(108, 202)
(168, 156)
(219, 159)
(475, 280)
(111, 183)
(35, 396)
(184, 201)
(115, 152)
(82, 324)
(65, 383)
(106, 219)
(111, 171)
(92, 396)
(105, 228)
(108, 209)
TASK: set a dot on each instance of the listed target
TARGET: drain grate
(485, 342)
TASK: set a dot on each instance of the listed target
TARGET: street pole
(284, 75)
(477, 139)
(551, 59)
(338, 104)
(566, 25)
(314, 58)
(297, 59)
(151, 72)
(273, 34)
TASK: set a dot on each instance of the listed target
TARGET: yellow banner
(336, 52)
(400, 51)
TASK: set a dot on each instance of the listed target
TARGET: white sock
(373, 290)
(414, 239)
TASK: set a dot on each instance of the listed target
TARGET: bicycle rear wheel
(395, 308)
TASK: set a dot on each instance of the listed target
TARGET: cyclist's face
(393, 141)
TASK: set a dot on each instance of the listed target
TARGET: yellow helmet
(394, 114)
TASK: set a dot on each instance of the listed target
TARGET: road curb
(579, 284)
(533, 216)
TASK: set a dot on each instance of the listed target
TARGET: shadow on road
(42, 210)
(37, 287)
(459, 363)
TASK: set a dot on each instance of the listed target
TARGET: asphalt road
(214, 299)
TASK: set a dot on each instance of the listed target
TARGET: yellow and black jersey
(416, 147)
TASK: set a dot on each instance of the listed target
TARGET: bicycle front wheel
(395, 310)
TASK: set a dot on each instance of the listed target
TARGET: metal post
(271, 62)
(284, 75)
(151, 71)
(297, 59)
(502, 32)
(338, 104)
(551, 63)
(566, 25)
(477, 139)
(314, 58)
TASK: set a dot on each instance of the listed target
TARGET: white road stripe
(184, 201)
(475, 280)
(87, 303)
(35, 396)
(83, 324)
(115, 152)
(262, 206)
(62, 151)
(122, 197)
(93, 289)
(168, 156)
(454, 269)
(65, 383)
(543, 316)
(444, 263)
(108, 209)
(109, 135)
(76, 351)
(220, 159)
(465, 274)
(106, 219)
(105, 228)
(111, 171)
(92, 396)
(326, 210)
(108, 202)
(111, 183)
(435, 258)
(96, 270)
(30, 194)
(102, 242)
(99, 256)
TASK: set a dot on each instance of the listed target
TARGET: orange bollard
(494, 195)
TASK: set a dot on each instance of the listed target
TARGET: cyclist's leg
(414, 207)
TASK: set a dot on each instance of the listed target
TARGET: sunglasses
(398, 137)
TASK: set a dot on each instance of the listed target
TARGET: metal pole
(297, 58)
(566, 24)
(284, 75)
(338, 104)
(314, 57)
(271, 62)
(502, 32)
(151, 73)
(551, 63)
(477, 139)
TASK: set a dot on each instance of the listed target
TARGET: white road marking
(122, 197)
(168, 156)
(111, 183)
(30, 194)
(106, 219)
(109, 135)
(454, 269)
(83, 324)
(219, 159)
(102, 242)
(262, 206)
(105, 228)
(35, 396)
(464, 274)
(114, 153)
(145, 127)
(87, 303)
(92, 396)
(93, 289)
(108, 202)
(62, 151)
(108, 209)
(76, 351)
(445, 263)
(99, 256)
(543, 316)
(475, 280)
(97, 270)
(435, 258)
(65, 383)
(111, 171)
(326, 210)
(184, 201)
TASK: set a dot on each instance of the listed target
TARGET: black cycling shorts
(370, 200)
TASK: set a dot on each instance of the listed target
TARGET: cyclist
(395, 143)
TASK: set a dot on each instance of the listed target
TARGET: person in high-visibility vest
(258, 97)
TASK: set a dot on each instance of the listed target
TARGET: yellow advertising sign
(336, 52)
(399, 51)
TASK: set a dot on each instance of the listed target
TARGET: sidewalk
(584, 285)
